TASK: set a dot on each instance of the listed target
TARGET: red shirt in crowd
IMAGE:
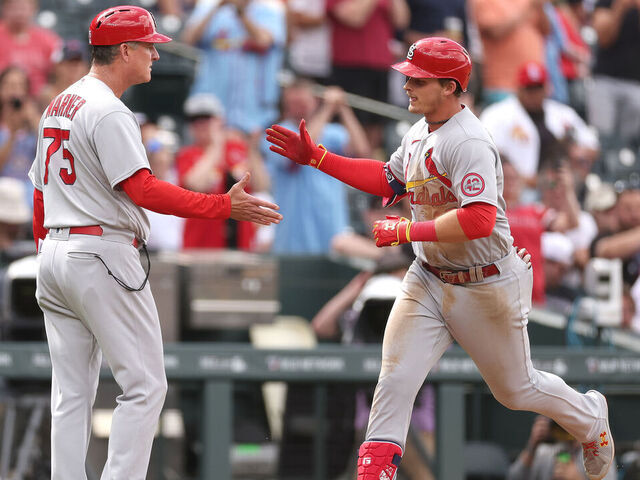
(214, 233)
(34, 53)
(367, 46)
(527, 224)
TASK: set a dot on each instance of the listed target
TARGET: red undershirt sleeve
(146, 191)
(365, 174)
(39, 232)
(477, 219)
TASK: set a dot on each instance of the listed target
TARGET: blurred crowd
(556, 82)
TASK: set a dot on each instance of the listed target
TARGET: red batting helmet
(125, 23)
(437, 57)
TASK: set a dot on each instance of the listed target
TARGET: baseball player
(92, 181)
(467, 282)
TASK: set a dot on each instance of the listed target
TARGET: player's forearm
(146, 191)
(364, 174)
(456, 226)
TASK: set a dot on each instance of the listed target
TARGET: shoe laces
(590, 447)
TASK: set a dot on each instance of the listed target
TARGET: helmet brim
(154, 38)
(410, 70)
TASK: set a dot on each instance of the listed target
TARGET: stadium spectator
(600, 201)
(558, 258)
(555, 43)
(160, 145)
(314, 204)
(575, 60)
(19, 118)
(512, 32)
(71, 65)
(613, 105)
(528, 221)
(309, 49)
(556, 186)
(551, 454)
(534, 130)
(361, 37)
(433, 18)
(242, 43)
(26, 45)
(624, 243)
(15, 214)
(217, 158)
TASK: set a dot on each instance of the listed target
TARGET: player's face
(425, 95)
(142, 56)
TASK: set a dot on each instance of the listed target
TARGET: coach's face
(141, 58)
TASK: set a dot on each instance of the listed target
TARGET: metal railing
(218, 366)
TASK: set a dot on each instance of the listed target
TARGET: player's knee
(511, 399)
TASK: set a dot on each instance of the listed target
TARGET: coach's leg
(127, 328)
(414, 339)
(75, 363)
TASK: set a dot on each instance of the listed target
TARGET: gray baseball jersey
(90, 142)
(455, 165)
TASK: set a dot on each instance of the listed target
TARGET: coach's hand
(249, 208)
(392, 231)
(297, 147)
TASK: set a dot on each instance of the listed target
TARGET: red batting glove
(297, 147)
(392, 231)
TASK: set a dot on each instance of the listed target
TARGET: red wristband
(423, 231)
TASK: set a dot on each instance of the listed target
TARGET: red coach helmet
(437, 57)
(125, 23)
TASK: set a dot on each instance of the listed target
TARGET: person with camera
(550, 454)
(19, 120)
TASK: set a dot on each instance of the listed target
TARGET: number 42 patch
(472, 184)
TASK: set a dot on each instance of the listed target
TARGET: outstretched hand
(295, 146)
(249, 208)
